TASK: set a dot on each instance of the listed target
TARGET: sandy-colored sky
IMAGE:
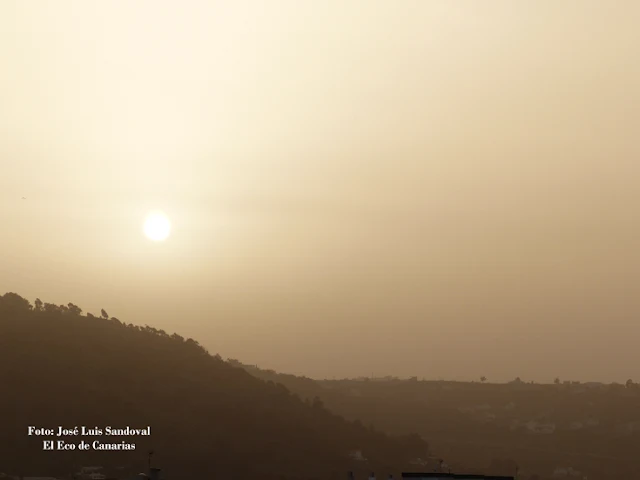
(432, 188)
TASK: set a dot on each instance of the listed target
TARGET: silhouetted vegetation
(207, 418)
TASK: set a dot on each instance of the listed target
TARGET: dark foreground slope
(58, 367)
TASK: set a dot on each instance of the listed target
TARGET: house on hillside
(96, 476)
(567, 472)
(357, 455)
(540, 428)
(90, 473)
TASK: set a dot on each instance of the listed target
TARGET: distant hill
(592, 428)
(207, 418)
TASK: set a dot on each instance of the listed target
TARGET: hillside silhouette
(59, 367)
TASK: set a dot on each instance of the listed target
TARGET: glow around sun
(157, 226)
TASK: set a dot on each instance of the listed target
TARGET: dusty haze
(432, 188)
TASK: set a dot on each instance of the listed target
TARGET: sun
(157, 226)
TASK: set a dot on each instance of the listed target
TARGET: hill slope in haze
(592, 428)
(59, 367)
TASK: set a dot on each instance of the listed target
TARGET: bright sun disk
(157, 226)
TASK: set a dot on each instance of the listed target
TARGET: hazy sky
(433, 188)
